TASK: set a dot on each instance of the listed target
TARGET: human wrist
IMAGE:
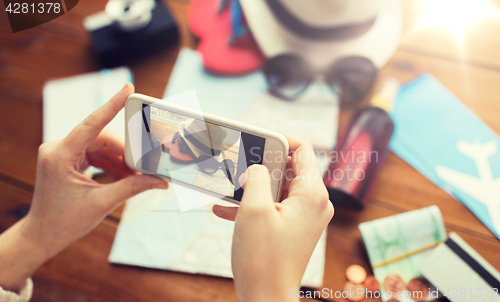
(20, 256)
(40, 237)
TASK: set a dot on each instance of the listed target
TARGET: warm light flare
(455, 15)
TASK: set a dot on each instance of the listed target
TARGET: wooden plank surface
(470, 69)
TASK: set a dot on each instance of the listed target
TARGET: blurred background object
(399, 244)
(453, 148)
(325, 30)
(362, 150)
(453, 259)
(128, 30)
(351, 78)
(225, 42)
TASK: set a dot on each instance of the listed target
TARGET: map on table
(154, 233)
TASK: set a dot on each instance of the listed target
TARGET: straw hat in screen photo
(195, 139)
(203, 138)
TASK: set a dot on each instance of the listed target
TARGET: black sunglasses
(210, 165)
(351, 77)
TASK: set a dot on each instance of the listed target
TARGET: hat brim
(174, 150)
(378, 44)
(196, 151)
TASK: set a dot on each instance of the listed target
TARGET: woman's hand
(67, 205)
(273, 242)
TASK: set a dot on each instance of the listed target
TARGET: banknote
(398, 244)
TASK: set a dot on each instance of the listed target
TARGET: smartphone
(202, 151)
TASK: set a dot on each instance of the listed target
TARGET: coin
(418, 289)
(371, 284)
(355, 292)
(394, 284)
(356, 274)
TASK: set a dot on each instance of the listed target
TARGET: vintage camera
(128, 30)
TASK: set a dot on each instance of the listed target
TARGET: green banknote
(398, 244)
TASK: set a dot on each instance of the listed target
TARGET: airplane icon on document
(485, 189)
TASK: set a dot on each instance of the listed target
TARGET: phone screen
(198, 153)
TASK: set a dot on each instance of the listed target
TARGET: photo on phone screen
(198, 153)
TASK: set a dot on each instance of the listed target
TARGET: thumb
(257, 193)
(121, 190)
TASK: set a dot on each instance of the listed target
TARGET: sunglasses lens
(208, 164)
(352, 78)
(287, 76)
(228, 167)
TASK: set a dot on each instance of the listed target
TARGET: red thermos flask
(361, 151)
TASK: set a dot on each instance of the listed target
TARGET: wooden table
(470, 69)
